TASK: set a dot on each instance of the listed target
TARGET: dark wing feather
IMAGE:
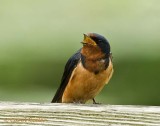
(69, 67)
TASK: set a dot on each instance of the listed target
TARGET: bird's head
(95, 42)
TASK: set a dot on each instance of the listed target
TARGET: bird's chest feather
(84, 85)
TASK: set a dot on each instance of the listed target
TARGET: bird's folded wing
(69, 67)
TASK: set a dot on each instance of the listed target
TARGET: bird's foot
(94, 101)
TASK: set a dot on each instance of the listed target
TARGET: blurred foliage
(37, 37)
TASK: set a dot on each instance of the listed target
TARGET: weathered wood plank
(26, 114)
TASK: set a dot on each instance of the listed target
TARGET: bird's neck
(93, 59)
(95, 65)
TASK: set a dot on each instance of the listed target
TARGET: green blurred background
(38, 36)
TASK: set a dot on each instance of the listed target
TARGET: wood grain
(26, 114)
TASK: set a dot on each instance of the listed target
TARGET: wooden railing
(27, 114)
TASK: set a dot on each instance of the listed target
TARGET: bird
(86, 72)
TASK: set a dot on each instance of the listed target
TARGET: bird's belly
(85, 85)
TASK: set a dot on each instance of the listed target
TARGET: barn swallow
(86, 72)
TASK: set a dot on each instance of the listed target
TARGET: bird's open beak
(88, 40)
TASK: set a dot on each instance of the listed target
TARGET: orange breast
(85, 85)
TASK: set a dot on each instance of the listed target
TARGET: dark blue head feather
(101, 41)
